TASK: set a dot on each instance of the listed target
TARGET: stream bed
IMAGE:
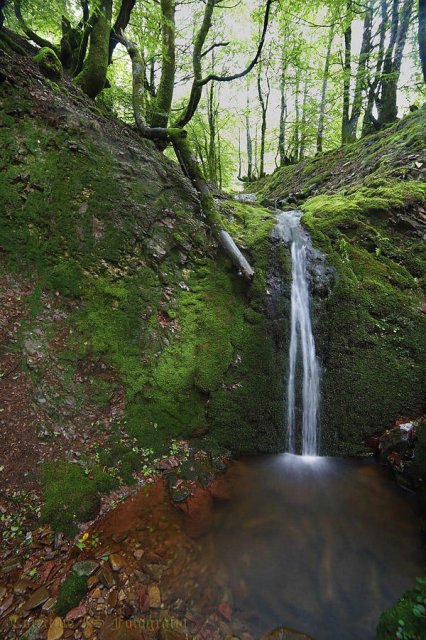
(322, 545)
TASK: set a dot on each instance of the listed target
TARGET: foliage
(406, 620)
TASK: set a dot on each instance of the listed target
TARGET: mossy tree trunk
(164, 98)
(92, 77)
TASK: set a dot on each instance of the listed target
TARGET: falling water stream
(290, 230)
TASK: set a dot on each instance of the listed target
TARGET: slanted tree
(165, 132)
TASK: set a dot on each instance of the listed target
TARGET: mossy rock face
(367, 220)
(102, 219)
(49, 64)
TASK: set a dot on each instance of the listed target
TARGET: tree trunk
(388, 109)
(249, 140)
(283, 115)
(303, 123)
(347, 77)
(92, 77)
(369, 123)
(264, 103)
(422, 36)
(163, 101)
(360, 79)
(320, 131)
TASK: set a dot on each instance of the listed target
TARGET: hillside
(123, 325)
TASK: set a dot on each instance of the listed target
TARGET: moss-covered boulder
(49, 64)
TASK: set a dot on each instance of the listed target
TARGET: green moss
(407, 618)
(71, 494)
(49, 64)
(370, 332)
(72, 591)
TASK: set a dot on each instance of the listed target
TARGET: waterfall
(302, 341)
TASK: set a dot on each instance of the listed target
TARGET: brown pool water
(321, 545)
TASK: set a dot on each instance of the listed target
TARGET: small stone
(76, 613)
(22, 586)
(138, 554)
(117, 561)
(56, 630)
(49, 605)
(112, 599)
(92, 581)
(85, 567)
(154, 596)
(88, 631)
(34, 632)
(10, 565)
(106, 576)
(39, 597)
(119, 537)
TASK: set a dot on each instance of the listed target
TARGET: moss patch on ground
(72, 591)
(111, 227)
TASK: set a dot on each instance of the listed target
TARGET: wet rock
(56, 630)
(284, 633)
(92, 581)
(76, 613)
(85, 567)
(39, 597)
(106, 576)
(117, 561)
(398, 440)
(154, 596)
(35, 631)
